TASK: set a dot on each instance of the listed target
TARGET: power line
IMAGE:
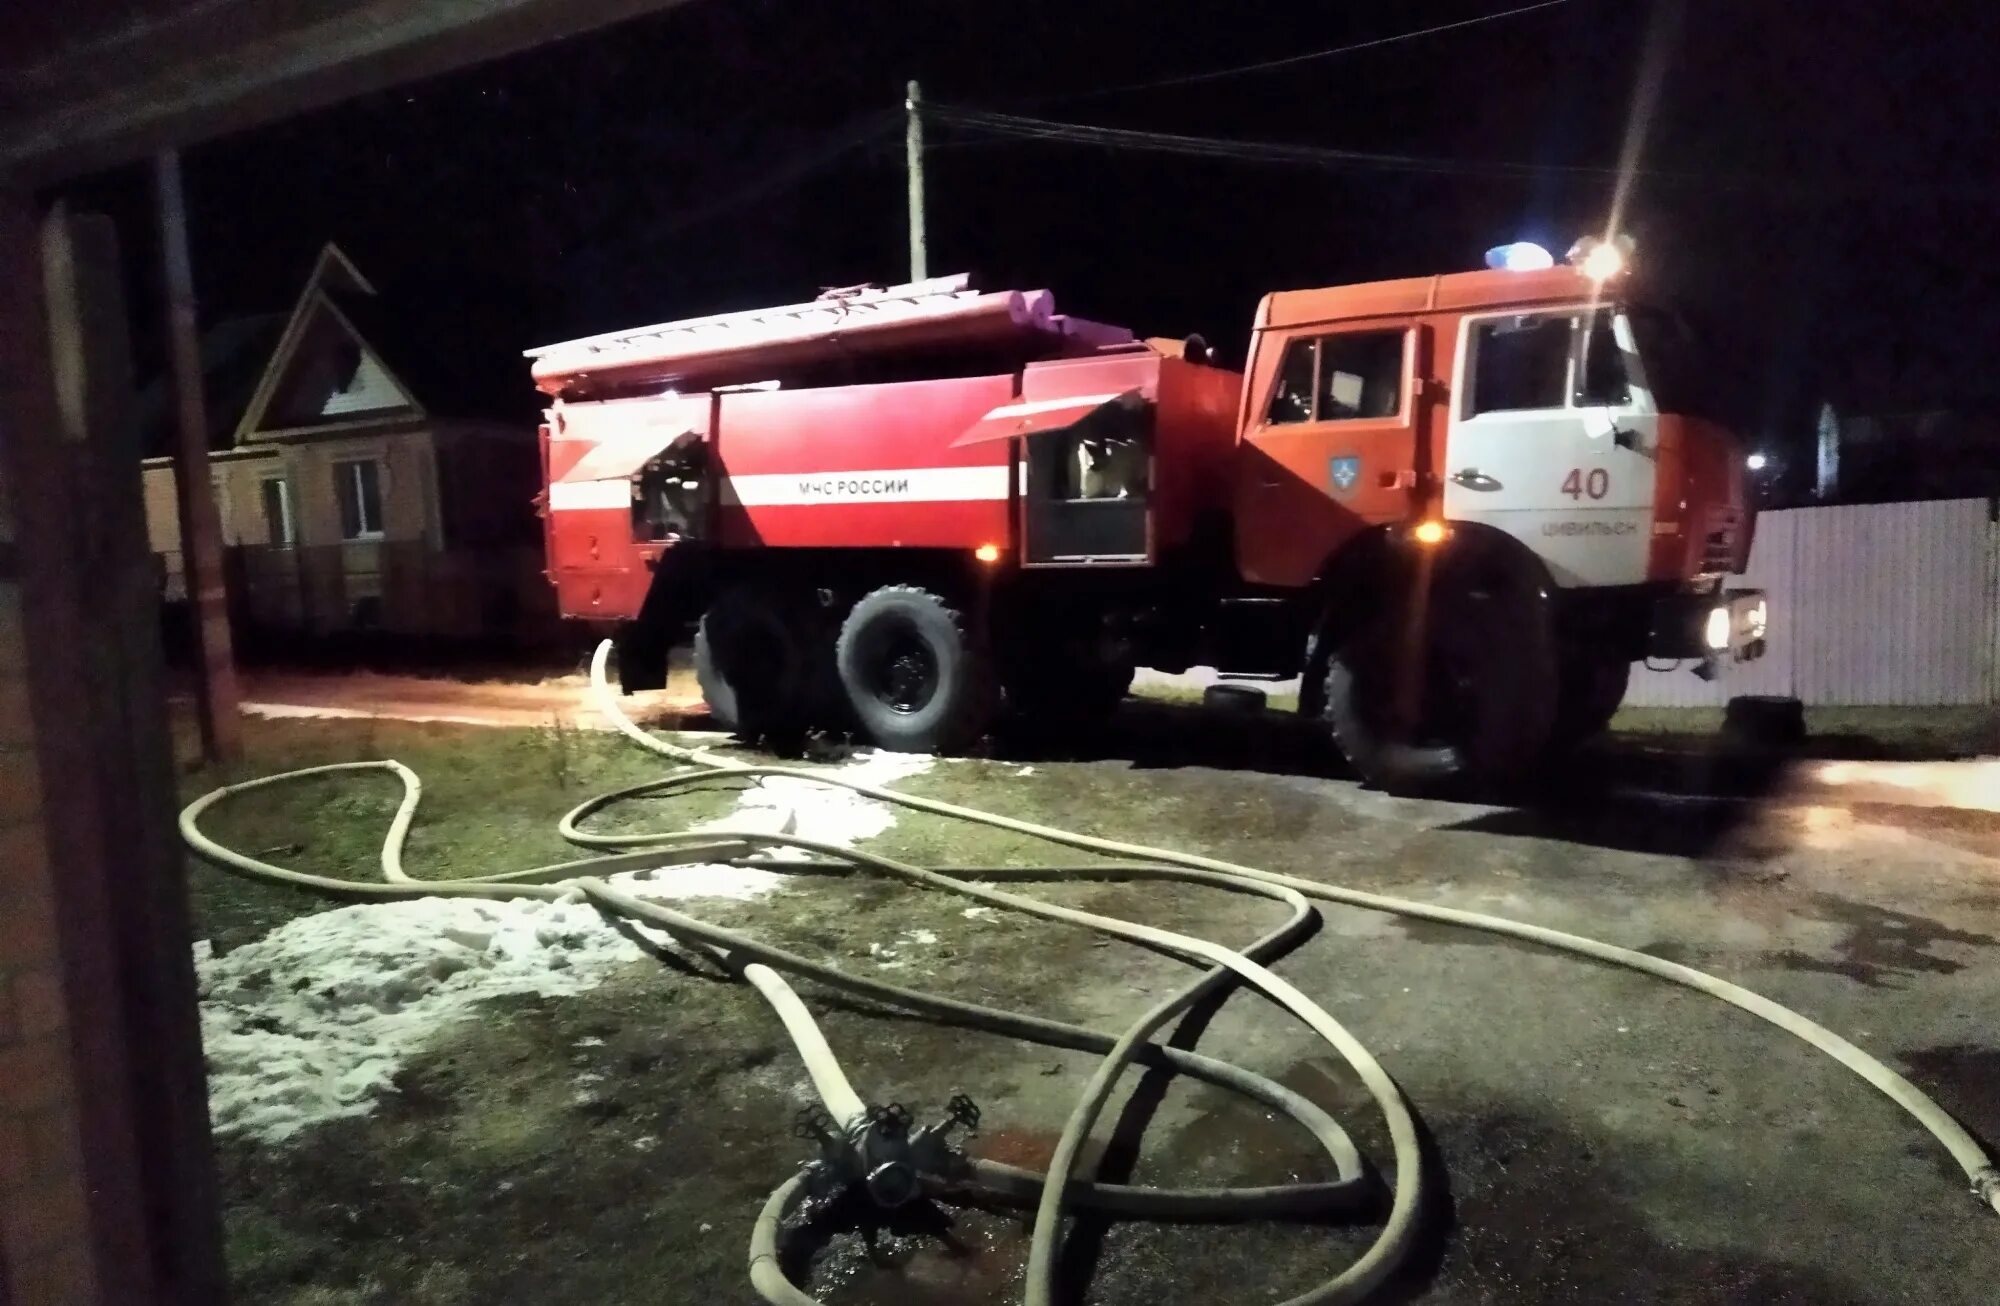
(786, 174)
(1217, 74)
(869, 129)
(1083, 134)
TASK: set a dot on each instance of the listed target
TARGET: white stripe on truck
(890, 485)
(1031, 407)
(614, 493)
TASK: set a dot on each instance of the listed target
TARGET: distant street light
(1756, 462)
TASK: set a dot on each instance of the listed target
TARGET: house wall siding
(407, 482)
(238, 501)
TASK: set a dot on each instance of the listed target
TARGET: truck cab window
(1360, 375)
(1520, 363)
(1109, 467)
(1602, 380)
(1292, 399)
(673, 492)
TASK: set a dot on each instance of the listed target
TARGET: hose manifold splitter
(1986, 1186)
(880, 1153)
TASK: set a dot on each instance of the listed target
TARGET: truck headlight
(1716, 632)
(1760, 619)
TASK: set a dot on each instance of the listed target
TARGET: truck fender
(681, 589)
(1369, 566)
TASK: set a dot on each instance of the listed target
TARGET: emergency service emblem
(1344, 472)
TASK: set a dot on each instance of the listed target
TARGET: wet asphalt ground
(1594, 1135)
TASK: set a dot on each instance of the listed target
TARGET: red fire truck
(1459, 507)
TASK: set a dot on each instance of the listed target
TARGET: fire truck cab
(1459, 507)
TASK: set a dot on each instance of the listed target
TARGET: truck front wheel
(753, 657)
(1592, 689)
(914, 677)
(1458, 699)
(642, 658)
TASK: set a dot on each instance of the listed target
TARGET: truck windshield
(1674, 370)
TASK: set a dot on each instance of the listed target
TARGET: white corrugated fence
(1891, 604)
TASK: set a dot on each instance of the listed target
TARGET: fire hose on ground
(877, 1148)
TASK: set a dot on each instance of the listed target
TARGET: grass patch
(1189, 808)
(555, 1152)
(1884, 733)
(491, 800)
(614, 1146)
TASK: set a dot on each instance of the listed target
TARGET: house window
(218, 484)
(280, 531)
(358, 486)
(1520, 363)
(1341, 378)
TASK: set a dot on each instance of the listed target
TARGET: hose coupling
(1986, 1187)
(882, 1152)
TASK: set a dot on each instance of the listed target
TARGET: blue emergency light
(1521, 256)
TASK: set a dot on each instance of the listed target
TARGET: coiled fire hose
(761, 964)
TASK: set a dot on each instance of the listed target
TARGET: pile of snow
(889, 955)
(311, 1022)
(783, 805)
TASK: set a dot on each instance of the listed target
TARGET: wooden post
(107, 1190)
(218, 701)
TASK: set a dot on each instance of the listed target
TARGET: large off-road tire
(754, 659)
(1591, 689)
(915, 679)
(1457, 698)
(1226, 697)
(1764, 721)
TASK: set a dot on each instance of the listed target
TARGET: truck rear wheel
(914, 678)
(1461, 701)
(753, 657)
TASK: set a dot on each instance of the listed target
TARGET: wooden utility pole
(913, 153)
(218, 701)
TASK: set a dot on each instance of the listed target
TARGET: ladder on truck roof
(835, 309)
(761, 343)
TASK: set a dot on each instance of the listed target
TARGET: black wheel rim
(903, 671)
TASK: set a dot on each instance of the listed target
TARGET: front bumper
(1719, 629)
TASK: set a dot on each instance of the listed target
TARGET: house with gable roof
(348, 500)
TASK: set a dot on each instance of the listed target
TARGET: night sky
(1822, 194)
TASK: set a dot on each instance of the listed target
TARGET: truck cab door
(1553, 440)
(1331, 445)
